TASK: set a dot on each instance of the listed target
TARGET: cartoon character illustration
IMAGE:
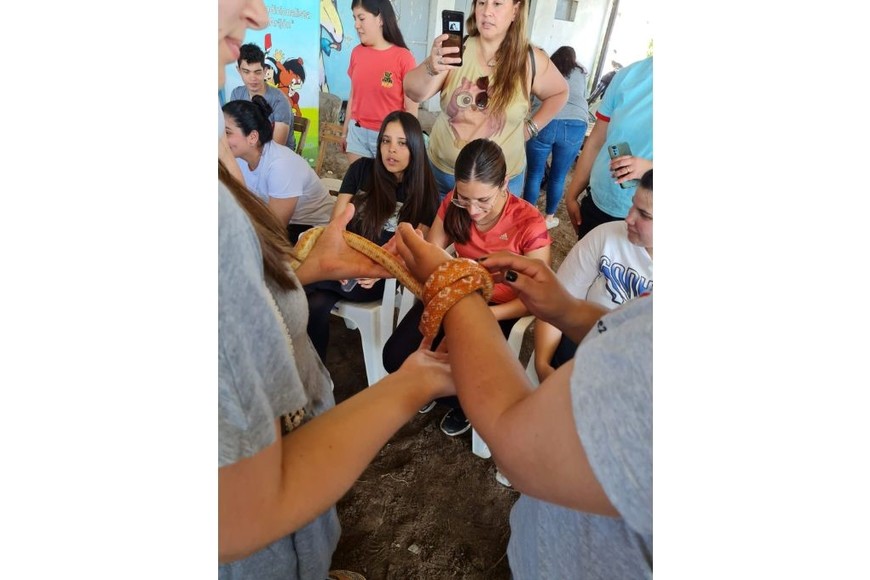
(271, 71)
(291, 77)
(331, 36)
(465, 112)
(387, 79)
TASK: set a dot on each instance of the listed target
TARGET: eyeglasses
(481, 204)
(480, 100)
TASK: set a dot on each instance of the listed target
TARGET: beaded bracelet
(448, 284)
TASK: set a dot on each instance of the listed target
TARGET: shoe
(427, 407)
(499, 477)
(345, 575)
(454, 423)
(552, 222)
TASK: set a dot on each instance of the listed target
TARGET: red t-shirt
(520, 229)
(376, 79)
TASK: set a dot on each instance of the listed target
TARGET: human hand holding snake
(441, 290)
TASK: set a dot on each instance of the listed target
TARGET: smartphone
(619, 150)
(453, 23)
(348, 286)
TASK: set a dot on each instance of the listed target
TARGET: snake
(435, 308)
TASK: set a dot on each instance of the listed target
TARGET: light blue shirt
(628, 102)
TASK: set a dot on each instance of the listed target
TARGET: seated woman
(279, 176)
(609, 266)
(396, 186)
(478, 217)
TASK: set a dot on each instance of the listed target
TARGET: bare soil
(426, 507)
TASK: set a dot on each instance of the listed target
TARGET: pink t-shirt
(376, 79)
(520, 229)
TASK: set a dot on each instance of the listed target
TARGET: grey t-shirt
(281, 111)
(266, 368)
(576, 108)
(611, 392)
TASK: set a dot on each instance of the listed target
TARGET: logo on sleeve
(387, 80)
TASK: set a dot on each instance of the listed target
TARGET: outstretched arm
(294, 480)
(531, 433)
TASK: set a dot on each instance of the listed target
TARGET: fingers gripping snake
(436, 293)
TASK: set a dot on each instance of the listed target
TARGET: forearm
(280, 133)
(411, 106)
(507, 310)
(583, 167)
(489, 378)
(420, 85)
(313, 466)
(578, 319)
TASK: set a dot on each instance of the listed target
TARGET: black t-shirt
(355, 179)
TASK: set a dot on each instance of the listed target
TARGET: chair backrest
(329, 133)
(300, 125)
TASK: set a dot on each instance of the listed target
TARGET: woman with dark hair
(377, 73)
(478, 217)
(486, 93)
(279, 176)
(562, 137)
(396, 186)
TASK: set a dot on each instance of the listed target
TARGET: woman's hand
(366, 282)
(332, 259)
(430, 371)
(421, 257)
(572, 206)
(536, 284)
(440, 59)
(626, 167)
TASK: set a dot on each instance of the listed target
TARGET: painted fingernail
(481, 259)
(510, 276)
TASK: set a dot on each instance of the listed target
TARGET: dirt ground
(426, 507)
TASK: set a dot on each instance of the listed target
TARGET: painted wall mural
(292, 53)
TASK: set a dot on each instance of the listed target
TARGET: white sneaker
(502, 479)
(552, 222)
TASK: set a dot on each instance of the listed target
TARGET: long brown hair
(510, 70)
(274, 245)
(378, 203)
(481, 160)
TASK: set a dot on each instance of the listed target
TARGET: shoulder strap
(532, 56)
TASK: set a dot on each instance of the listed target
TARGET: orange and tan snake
(436, 302)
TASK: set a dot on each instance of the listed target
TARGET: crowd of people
(579, 446)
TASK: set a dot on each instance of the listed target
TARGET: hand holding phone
(618, 150)
(349, 285)
(452, 24)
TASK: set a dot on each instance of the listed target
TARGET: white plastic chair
(515, 342)
(374, 320)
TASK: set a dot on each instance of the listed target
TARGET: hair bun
(264, 105)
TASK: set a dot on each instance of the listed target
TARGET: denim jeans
(445, 182)
(562, 137)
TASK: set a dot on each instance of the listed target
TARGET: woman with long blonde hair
(486, 93)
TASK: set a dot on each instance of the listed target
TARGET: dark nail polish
(481, 259)
(510, 276)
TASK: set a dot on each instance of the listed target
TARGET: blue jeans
(445, 182)
(563, 137)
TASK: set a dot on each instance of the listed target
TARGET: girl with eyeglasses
(396, 186)
(479, 217)
(486, 92)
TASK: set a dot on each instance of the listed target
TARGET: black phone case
(456, 32)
